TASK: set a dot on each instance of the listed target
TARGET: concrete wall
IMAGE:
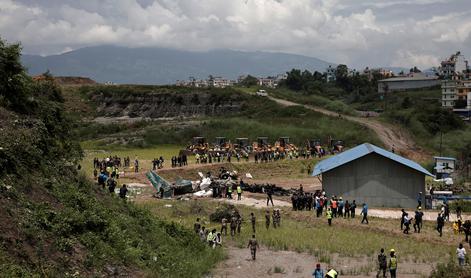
(406, 85)
(377, 181)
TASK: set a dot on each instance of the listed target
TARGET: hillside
(165, 66)
(173, 115)
(55, 221)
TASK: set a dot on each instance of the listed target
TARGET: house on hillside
(444, 166)
(417, 81)
(372, 175)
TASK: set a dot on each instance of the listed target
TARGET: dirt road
(390, 135)
(271, 263)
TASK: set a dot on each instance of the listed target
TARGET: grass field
(145, 155)
(347, 239)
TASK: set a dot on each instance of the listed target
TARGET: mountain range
(164, 66)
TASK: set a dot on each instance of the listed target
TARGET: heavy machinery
(283, 145)
(261, 144)
(242, 145)
(314, 146)
(221, 146)
(198, 145)
(337, 146)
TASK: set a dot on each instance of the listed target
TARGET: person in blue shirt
(419, 199)
(364, 211)
(318, 272)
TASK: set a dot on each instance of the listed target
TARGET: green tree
(13, 79)
(294, 80)
(249, 81)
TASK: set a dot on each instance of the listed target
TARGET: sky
(359, 33)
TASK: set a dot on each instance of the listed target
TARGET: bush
(223, 211)
(450, 270)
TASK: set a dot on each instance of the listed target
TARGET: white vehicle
(262, 93)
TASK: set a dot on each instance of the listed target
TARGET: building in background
(415, 81)
(331, 74)
(444, 166)
(372, 175)
(456, 85)
(455, 65)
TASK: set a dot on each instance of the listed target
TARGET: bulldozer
(337, 146)
(261, 144)
(198, 145)
(242, 144)
(314, 146)
(283, 145)
(221, 145)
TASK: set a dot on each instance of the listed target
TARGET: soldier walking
(253, 221)
(267, 219)
(224, 226)
(253, 245)
(233, 225)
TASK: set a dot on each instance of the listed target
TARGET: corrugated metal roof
(416, 78)
(444, 158)
(360, 151)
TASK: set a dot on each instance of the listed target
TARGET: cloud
(359, 33)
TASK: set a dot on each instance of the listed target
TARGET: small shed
(444, 166)
(372, 175)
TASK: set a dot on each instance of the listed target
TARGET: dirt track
(390, 135)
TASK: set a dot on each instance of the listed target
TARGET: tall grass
(313, 236)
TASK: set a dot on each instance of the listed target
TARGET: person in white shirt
(461, 253)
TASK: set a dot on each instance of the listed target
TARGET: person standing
(253, 245)
(382, 263)
(334, 206)
(419, 199)
(123, 191)
(233, 225)
(318, 272)
(329, 216)
(224, 225)
(197, 225)
(202, 234)
(440, 224)
(347, 210)
(406, 223)
(461, 254)
(267, 219)
(353, 208)
(402, 218)
(340, 206)
(269, 195)
(364, 211)
(392, 263)
(239, 223)
(253, 221)
(229, 191)
(239, 192)
(418, 220)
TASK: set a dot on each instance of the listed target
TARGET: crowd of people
(106, 172)
(332, 207)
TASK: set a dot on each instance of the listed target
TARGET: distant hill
(165, 66)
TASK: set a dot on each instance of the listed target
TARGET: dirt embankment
(391, 136)
(165, 105)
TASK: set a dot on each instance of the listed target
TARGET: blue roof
(360, 151)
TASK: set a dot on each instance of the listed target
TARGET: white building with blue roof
(372, 175)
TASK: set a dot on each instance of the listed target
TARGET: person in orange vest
(334, 207)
